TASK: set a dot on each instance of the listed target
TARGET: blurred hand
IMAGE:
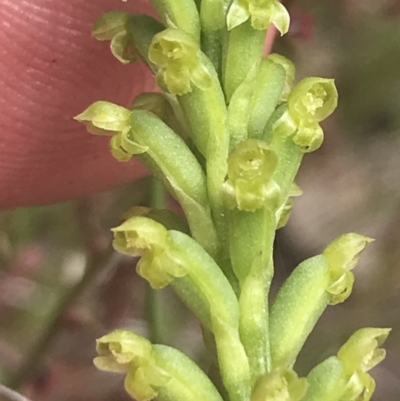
(51, 69)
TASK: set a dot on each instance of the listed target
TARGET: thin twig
(98, 264)
(10, 395)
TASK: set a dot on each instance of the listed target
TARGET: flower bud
(261, 13)
(279, 386)
(176, 54)
(342, 255)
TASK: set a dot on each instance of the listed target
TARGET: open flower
(262, 13)
(118, 350)
(141, 236)
(250, 168)
(279, 385)
(105, 118)
(177, 56)
(124, 351)
(358, 355)
(342, 255)
(311, 101)
(113, 26)
(109, 119)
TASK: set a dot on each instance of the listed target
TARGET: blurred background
(61, 286)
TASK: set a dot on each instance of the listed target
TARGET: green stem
(97, 264)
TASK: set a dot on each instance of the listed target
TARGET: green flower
(362, 350)
(113, 26)
(250, 169)
(119, 350)
(123, 351)
(106, 118)
(311, 101)
(176, 54)
(342, 255)
(261, 12)
(358, 355)
(280, 385)
(141, 236)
